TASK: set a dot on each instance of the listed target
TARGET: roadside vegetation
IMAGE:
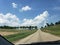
(52, 28)
(13, 34)
(20, 35)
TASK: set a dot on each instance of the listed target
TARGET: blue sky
(28, 10)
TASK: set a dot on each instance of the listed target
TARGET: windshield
(30, 21)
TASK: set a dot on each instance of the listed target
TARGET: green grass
(52, 29)
(18, 36)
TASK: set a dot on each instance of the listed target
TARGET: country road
(38, 36)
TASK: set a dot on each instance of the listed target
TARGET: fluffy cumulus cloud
(26, 8)
(14, 5)
(12, 20)
(9, 19)
(38, 20)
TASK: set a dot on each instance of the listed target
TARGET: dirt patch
(7, 33)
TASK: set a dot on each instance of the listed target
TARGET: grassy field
(52, 29)
(5, 32)
(15, 37)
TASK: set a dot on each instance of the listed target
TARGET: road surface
(38, 36)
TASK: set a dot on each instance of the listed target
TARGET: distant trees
(35, 27)
(28, 27)
(7, 27)
(51, 24)
(41, 27)
(47, 24)
(57, 23)
(22, 27)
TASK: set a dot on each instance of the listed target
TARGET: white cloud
(9, 19)
(41, 18)
(26, 8)
(14, 5)
(13, 20)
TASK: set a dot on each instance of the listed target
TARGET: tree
(51, 24)
(47, 24)
(57, 23)
(35, 27)
(30, 27)
(41, 27)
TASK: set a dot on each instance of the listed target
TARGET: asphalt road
(38, 36)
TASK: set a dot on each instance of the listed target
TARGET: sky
(29, 12)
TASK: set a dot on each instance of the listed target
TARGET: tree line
(7, 27)
(22, 27)
(28, 27)
(52, 24)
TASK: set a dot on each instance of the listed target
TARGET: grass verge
(18, 36)
(55, 30)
